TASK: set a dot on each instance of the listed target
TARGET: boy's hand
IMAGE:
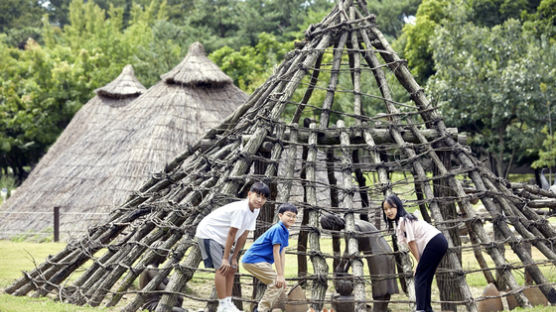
(225, 267)
(280, 282)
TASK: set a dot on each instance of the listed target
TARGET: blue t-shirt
(261, 250)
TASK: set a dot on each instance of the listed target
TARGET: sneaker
(224, 308)
(232, 307)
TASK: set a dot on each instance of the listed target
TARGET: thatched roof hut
(106, 165)
(103, 106)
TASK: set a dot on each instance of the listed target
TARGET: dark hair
(394, 200)
(330, 221)
(287, 207)
(260, 188)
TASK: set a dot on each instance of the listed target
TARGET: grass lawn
(17, 256)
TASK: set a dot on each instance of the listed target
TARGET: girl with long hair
(427, 244)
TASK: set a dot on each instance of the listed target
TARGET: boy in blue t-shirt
(267, 249)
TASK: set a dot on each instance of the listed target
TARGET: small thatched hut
(102, 168)
(104, 106)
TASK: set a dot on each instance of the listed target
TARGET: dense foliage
(485, 64)
(488, 64)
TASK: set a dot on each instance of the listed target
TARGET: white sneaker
(223, 308)
(232, 307)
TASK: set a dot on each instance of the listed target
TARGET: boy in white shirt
(220, 230)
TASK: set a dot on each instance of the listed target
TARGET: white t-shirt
(217, 224)
(419, 231)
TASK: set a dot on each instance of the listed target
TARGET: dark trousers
(430, 259)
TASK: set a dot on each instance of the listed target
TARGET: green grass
(18, 256)
(26, 304)
(535, 309)
(477, 279)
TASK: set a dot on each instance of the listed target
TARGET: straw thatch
(125, 86)
(197, 70)
(105, 105)
(106, 164)
(340, 74)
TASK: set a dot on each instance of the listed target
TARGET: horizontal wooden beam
(380, 135)
(332, 136)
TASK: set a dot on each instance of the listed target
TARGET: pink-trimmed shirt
(419, 231)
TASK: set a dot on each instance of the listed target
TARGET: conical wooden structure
(107, 164)
(341, 73)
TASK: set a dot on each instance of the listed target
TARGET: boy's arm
(239, 246)
(278, 263)
(229, 242)
(284, 262)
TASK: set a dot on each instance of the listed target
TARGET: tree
(20, 13)
(36, 104)
(488, 82)
(495, 12)
(543, 21)
(58, 11)
(414, 42)
(251, 66)
(391, 16)
(42, 86)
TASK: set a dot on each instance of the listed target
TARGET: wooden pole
(320, 267)
(352, 241)
(56, 224)
(418, 168)
(404, 76)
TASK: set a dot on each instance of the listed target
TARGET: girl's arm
(405, 230)
(413, 248)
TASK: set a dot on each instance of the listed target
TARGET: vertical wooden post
(303, 234)
(56, 224)
(266, 217)
(447, 282)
